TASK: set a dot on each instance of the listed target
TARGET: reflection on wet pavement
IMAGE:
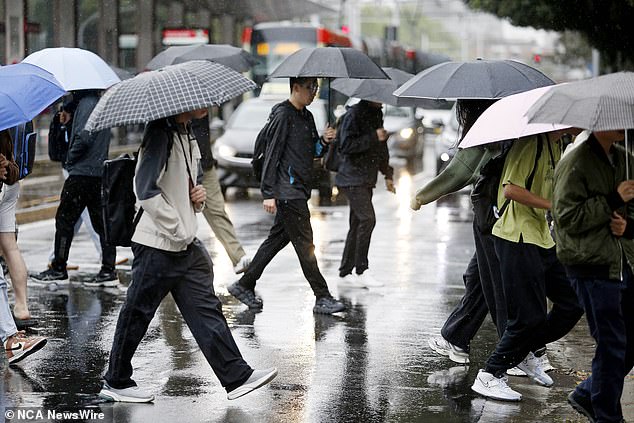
(369, 364)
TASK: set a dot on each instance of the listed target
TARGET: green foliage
(605, 24)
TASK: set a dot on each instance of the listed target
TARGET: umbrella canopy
(505, 120)
(477, 79)
(122, 73)
(75, 68)
(379, 90)
(166, 92)
(328, 62)
(598, 104)
(25, 90)
(230, 56)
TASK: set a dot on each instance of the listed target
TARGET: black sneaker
(328, 305)
(245, 295)
(59, 277)
(582, 405)
(104, 279)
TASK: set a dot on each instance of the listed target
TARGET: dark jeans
(291, 224)
(610, 315)
(483, 294)
(78, 193)
(188, 276)
(362, 221)
(530, 274)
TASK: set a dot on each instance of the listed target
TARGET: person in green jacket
(594, 231)
(482, 272)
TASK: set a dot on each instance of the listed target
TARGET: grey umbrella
(328, 62)
(230, 56)
(171, 90)
(379, 90)
(599, 104)
(477, 79)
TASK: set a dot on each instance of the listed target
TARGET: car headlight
(225, 150)
(406, 133)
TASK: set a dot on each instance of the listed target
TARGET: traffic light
(537, 58)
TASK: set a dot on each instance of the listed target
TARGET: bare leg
(17, 269)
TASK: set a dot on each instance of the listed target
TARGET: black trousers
(362, 221)
(78, 193)
(188, 276)
(483, 294)
(530, 274)
(291, 224)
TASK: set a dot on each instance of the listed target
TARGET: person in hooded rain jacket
(362, 147)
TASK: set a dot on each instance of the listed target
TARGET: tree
(604, 23)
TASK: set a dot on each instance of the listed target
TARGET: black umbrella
(328, 62)
(379, 90)
(477, 79)
(230, 56)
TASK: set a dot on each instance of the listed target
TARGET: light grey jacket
(162, 187)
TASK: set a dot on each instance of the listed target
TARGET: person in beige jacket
(168, 258)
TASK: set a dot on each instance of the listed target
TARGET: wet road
(369, 364)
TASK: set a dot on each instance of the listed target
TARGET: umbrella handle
(329, 99)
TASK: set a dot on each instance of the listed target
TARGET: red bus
(272, 42)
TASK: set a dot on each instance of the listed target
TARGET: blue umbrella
(25, 90)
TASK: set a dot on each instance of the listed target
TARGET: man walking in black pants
(363, 151)
(84, 162)
(169, 259)
(286, 174)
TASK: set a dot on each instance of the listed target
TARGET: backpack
(57, 140)
(118, 200)
(484, 195)
(24, 140)
(259, 150)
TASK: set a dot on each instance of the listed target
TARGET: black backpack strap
(529, 181)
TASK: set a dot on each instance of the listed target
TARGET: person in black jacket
(285, 186)
(84, 163)
(363, 152)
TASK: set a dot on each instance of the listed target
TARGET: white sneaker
(533, 368)
(257, 379)
(443, 347)
(242, 265)
(350, 281)
(490, 386)
(365, 279)
(546, 366)
(514, 371)
(131, 394)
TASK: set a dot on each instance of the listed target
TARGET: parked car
(446, 143)
(234, 149)
(405, 133)
(436, 116)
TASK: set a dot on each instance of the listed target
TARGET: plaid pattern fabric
(167, 92)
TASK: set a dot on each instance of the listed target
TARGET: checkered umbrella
(166, 92)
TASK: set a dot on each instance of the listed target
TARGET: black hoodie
(293, 143)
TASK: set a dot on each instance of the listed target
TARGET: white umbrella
(75, 68)
(505, 120)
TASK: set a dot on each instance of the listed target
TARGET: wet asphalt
(368, 364)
